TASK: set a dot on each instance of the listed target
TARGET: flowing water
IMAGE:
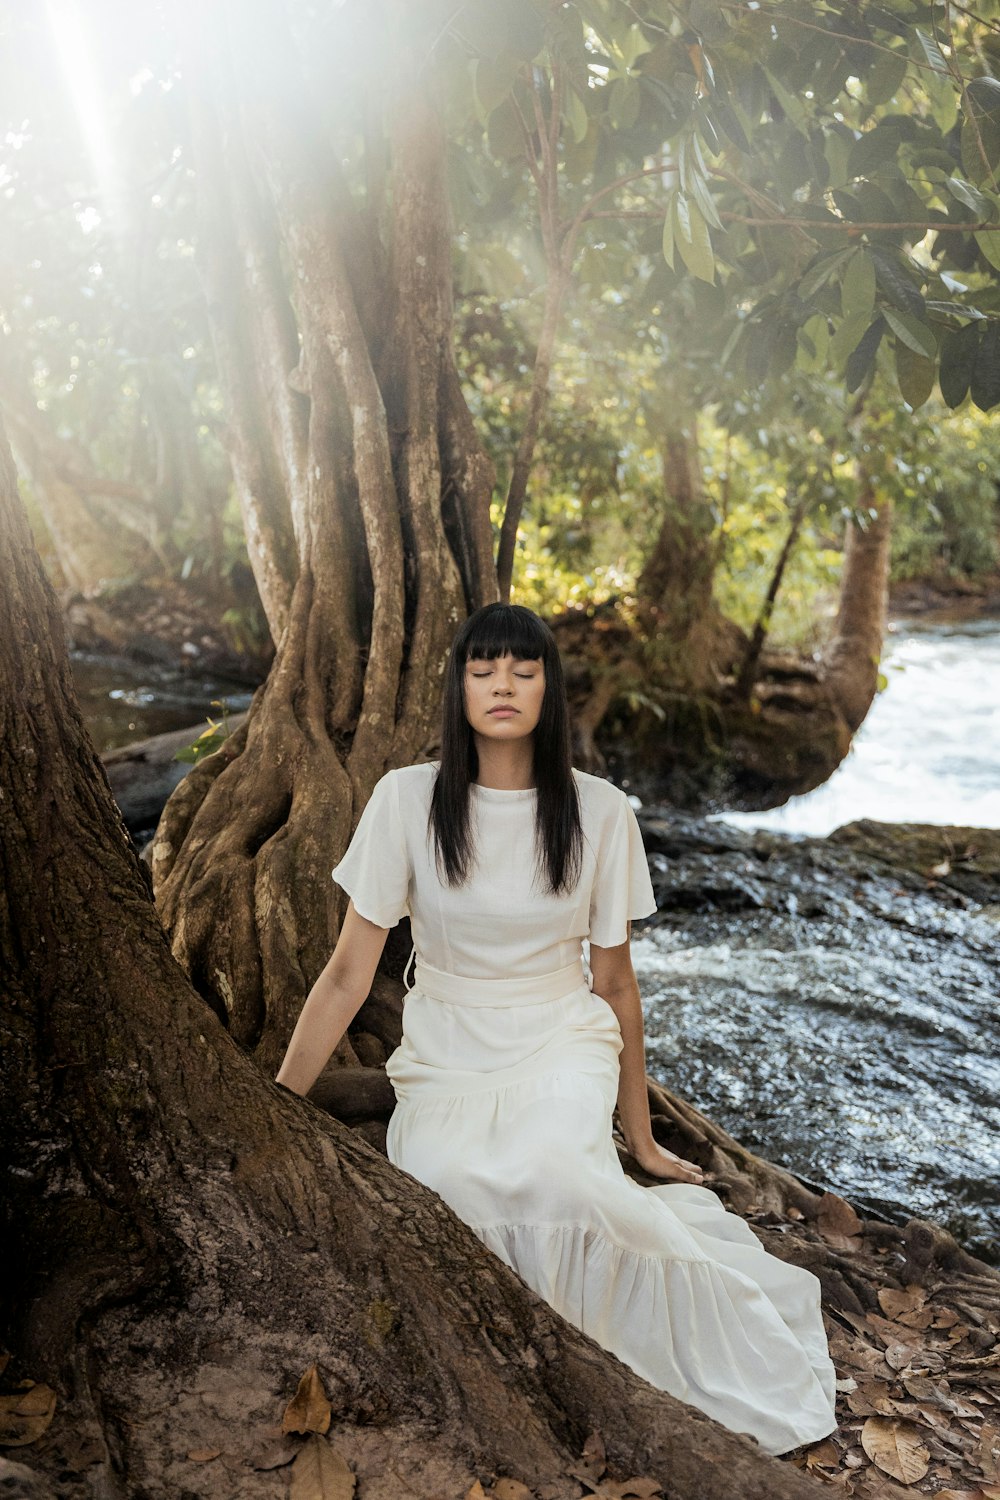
(123, 700)
(929, 750)
(840, 1022)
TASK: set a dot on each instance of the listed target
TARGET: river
(840, 1024)
(830, 1020)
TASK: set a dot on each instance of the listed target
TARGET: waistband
(532, 989)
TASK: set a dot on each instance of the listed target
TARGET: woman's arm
(615, 982)
(333, 1001)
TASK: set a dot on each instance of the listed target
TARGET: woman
(506, 858)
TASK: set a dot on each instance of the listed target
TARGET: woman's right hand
(659, 1162)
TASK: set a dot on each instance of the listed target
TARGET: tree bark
(348, 417)
(183, 1233)
(851, 660)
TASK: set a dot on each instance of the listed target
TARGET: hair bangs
(505, 628)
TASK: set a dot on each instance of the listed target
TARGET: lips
(503, 711)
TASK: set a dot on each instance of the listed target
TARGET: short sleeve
(622, 889)
(375, 870)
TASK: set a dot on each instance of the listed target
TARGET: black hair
(489, 632)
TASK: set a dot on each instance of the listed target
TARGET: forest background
(321, 326)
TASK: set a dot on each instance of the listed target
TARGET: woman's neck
(506, 768)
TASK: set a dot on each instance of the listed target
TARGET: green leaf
(981, 206)
(959, 350)
(725, 117)
(493, 79)
(668, 232)
(709, 20)
(503, 133)
(791, 105)
(705, 201)
(525, 27)
(857, 289)
(814, 344)
(932, 52)
(885, 77)
(988, 241)
(837, 150)
(624, 101)
(985, 384)
(986, 128)
(576, 114)
(915, 375)
(845, 339)
(911, 331)
(862, 359)
(896, 284)
(634, 45)
(692, 238)
(817, 276)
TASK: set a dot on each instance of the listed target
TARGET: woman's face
(503, 696)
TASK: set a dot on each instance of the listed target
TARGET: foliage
(769, 212)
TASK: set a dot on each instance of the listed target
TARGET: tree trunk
(367, 501)
(693, 643)
(184, 1238)
(851, 659)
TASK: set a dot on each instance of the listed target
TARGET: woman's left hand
(659, 1162)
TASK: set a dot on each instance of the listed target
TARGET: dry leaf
(825, 1455)
(871, 1397)
(203, 1455)
(896, 1448)
(988, 1456)
(991, 1492)
(475, 1492)
(309, 1410)
(896, 1303)
(837, 1217)
(510, 1489)
(25, 1415)
(640, 1488)
(321, 1473)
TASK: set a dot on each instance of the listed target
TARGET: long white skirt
(505, 1091)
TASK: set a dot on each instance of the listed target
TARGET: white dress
(506, 1078)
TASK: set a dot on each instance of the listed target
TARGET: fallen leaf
(837, 1217)
(895, 1303)
(321, 1473)
(203, 1455)
(896, 1448)
(988, 1455)
(475, 1492)
(274, 1455)
(991, 1492)
(825, 1455)
(870, 1398)
(309, 1409)
(640, 1488)
(25, 1414)
(510, 1489)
